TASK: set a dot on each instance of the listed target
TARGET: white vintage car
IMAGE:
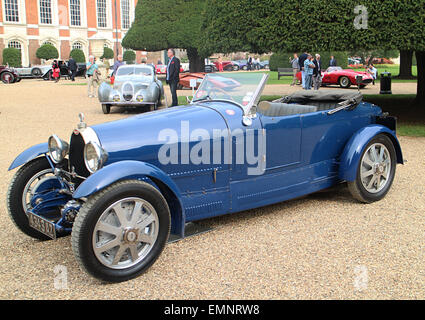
(134, 85)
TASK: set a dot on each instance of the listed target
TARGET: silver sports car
(134, 85)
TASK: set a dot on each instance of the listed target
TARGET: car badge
(81, 124)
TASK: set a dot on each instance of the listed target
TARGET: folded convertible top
(305, 96)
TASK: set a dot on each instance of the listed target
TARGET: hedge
(78, 55)
(281, 60)
(129, 56)
(12, 57)
(108, 53)
(47, 52)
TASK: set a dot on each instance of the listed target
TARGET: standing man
(332, 62)
(301, 61)
(173, 71)
(317, 73)
(117, 64)
(308, 70)
(92, 74)
(295, 67)
(72, 65)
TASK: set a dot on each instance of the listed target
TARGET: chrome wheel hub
(125, 233)
(375, 168)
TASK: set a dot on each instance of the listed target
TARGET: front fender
(120, 171)
(136, 170)
(29, 154)
(356, 145)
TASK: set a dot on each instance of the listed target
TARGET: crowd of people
(311, 70)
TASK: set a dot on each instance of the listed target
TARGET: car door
(279, 157)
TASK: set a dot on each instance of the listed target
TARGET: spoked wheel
(22, 188)
(121, 231)
(344, 82)
(7, 77)
(376, 171)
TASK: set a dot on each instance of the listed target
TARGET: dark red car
(8, 75)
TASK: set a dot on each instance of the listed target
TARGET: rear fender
(356, 145)
(124, 170)
(29, 154)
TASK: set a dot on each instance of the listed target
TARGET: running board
(190, 229)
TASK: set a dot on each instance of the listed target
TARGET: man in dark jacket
(317, 73)
(332, 62)
(72, 65)
(173, 71)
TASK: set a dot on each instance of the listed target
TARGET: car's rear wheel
(7, 77)
(344, 82)
(376, 170)
(106, 108)
(21, 190)
(36, 72)
(121, 231)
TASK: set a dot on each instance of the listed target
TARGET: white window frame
(22, 17)
(55, 14)
(40, 17)
(80, 16)
(130, 2)
(83, 14)
(108, 17)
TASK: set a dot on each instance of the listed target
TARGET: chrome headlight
(94, 156)
(58, 149)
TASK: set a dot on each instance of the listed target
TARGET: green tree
(163, 24)
(315, 25)
(129, 56)
(47, 52)
(78, 55)
(12, 57)
(108, 53)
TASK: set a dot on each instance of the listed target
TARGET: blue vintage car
(120, 188)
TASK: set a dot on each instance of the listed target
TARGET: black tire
(36, 72)
(235, 68)
(344, 82)
(356, 188)
(15, 193)
(106, 108)
(7, 77)
(84, 225)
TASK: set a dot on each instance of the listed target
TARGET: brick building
(66, 24)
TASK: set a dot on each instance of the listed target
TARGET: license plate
(40, 224)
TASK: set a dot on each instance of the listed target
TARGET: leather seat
(275, 109)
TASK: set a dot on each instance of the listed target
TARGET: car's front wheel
(376, 170)
(106, 108)
(22, 188)
(121, 231)
(344, 82)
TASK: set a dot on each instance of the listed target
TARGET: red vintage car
(9, 75)
(227, 65)
(343, 77)
(186, 77)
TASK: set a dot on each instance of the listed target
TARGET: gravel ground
(324, 246)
